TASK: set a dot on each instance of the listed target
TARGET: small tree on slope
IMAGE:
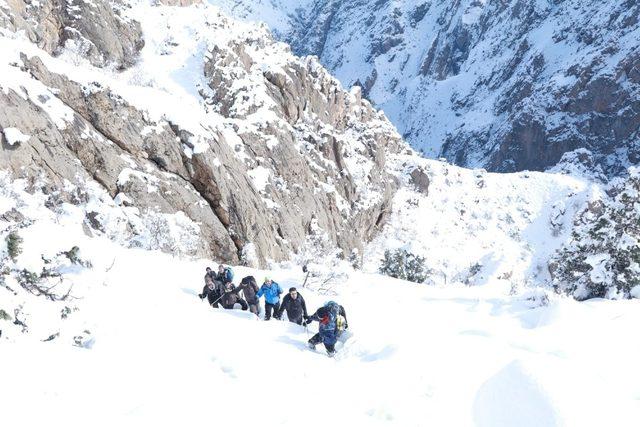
(404, 265)
(602, 259)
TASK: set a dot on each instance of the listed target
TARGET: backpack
(249, 280)
(333, 309)
(228, 274)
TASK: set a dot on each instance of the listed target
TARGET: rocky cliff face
(183, 111)
(505, 85)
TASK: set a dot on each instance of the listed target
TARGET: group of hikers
(219, 290)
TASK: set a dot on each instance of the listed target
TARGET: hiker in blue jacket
(333, 320)
(271, 291)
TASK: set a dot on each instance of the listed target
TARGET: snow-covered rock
(14, 136)
(209, 117)
(503, 85)
(133, 333)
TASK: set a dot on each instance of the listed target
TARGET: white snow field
(149, 352)
(417, 356)
(141, 348)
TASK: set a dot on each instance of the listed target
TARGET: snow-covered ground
(417, 355)
(506, 226)
(148, 351)
(127, 341)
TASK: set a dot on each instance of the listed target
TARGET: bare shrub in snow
(73, 255)
(172, 233)
(404, 265)
(472, 273)
(355, 259)
(602, 258)
(534, 298)
(325, 264)
(249, 257)
(27, 278)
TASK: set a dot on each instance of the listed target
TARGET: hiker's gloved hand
(201, 296)
(305, 317)
(306, 322)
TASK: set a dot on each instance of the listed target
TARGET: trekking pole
(218, 299)
(306, 329)
(305, 270)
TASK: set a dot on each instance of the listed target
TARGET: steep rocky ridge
(504, 85)
(192, 112)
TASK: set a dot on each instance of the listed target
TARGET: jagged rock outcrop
(97, 30)
(504, 85)
(266, 148)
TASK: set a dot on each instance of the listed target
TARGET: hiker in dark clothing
(294, 305)
(230, 297)
(224, 275)
(271, 291)
(333, 320)
(249, 289)
(211, 291)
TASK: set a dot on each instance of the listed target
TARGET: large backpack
(335, 316)
(228, 274)
(249, 280)
(250, 289)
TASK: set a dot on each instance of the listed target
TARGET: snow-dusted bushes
(172, 233)
(602, 257)
(404, 265)
(14, 245)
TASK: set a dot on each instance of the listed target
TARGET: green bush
(602, 257)
(14, 245)
(404, 265)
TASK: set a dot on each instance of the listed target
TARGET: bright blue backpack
(229, 274)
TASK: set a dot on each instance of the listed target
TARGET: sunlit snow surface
(151, 353)
(416, 355)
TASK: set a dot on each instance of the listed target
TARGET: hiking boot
(311, 345)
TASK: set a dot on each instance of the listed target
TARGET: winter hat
(266, 279)
(292, 290)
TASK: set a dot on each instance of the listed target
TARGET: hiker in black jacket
(231, 297)
(294, 305)
(210, 291)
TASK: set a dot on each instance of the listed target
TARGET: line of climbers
(220, 290)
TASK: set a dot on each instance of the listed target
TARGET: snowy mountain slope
(218, 141)
(148, 351)
(504, 85)
(212, 120)
(478, 227)
(216, 132)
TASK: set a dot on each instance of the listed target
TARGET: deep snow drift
(148, 351)
(417, 356)
(127, 342)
